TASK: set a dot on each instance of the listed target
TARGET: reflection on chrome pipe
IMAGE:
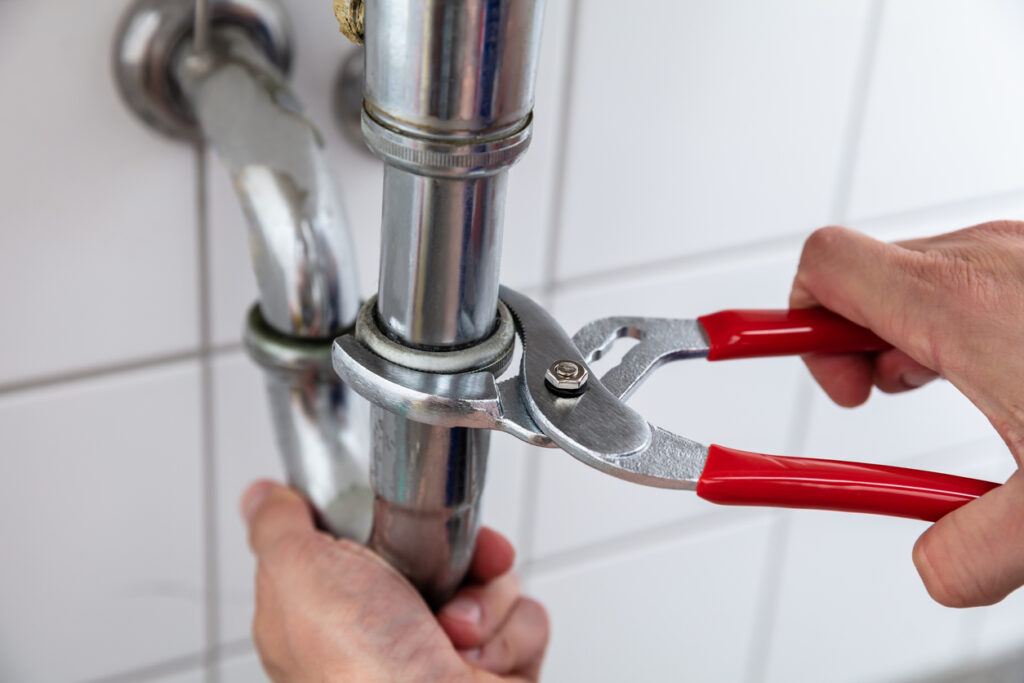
(298, 235)
(305, 269)
(318, 422)
(425, 529)
(450, 229)
(448, 96)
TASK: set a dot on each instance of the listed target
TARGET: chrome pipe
(448, 97)
(440, 257)
(305, 270)
(298, 234)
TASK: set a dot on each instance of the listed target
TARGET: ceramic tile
(194, 676)
(100, 515)
(97, 250)
(697, 126)
(744, 404)
(679, 610)
(245, 451)
(502, 506)
(890, 428)
(944, 106)
(242, 669)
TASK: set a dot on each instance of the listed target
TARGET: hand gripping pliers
(554, 401)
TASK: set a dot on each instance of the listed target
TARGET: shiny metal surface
(320, 425)
(440, 257)
(662, 340)
(462, 67)
(428, 482)
(492, 354)
(566, 377)
(468, 399)
(298, 234)
(448, 93)
(231, 92)
(151, 32)
(597, 428)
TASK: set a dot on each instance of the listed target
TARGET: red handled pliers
(554, 401)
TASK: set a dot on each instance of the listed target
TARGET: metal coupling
(273, 350)
(474, 157)
(492, 354)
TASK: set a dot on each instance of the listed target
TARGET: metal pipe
(298, 235)
(447, 105)
(305, 270)
(440, 257)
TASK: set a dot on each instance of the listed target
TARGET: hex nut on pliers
(566, 378)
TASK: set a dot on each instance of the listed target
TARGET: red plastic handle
(750, 333)
(734, 477)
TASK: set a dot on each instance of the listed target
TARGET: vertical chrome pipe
(447, 105)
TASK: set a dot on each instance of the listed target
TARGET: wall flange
(150, 33)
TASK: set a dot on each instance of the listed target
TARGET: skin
(952, 306)
(332, 610)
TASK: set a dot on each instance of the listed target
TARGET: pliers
(555, 401)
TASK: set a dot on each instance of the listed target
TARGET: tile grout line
(767, 610)
(211, 573)
(582, 556)
(700, 259)
(178, 665)
(850, 154)
(556, 210)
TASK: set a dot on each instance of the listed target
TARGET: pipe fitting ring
(491, 355)
(273, 350)
(459, 158)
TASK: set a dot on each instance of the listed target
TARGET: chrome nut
(566, 378)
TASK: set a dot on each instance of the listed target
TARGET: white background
(683, 151)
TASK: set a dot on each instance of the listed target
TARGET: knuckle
(822, 241)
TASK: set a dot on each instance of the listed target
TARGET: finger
(518, 646)
(477, 612)
(493, 556)
(975, 555)
(845, 377)
(856, 276)
(895, 371)
(274, 512)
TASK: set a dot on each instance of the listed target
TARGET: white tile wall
(97, 214)
(701, 142)
(101, 521)
(697, 126)
(940, 123)
(678, 610)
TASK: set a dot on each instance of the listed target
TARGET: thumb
(274, 512)
(975, 555)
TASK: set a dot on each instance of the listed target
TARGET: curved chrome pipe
(298, 234)
(305, 269)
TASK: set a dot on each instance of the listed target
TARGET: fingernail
(916, 378)
(253, 496)
(464, 609)
(471, 655)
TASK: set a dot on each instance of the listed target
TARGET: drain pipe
(448, 101)
(233, 95)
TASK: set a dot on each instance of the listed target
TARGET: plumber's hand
(331, 610)
(952, 305)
